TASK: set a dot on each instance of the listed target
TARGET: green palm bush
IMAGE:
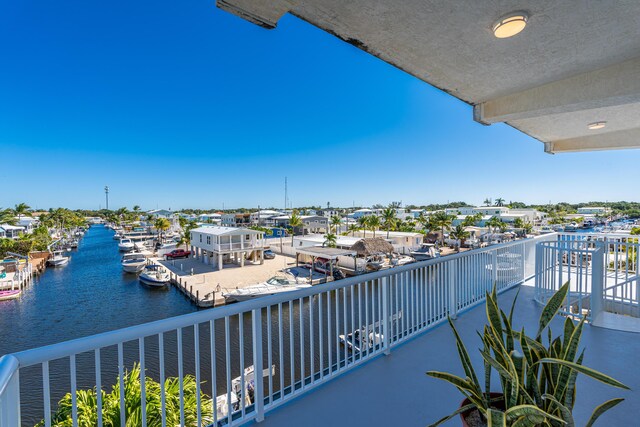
(88, 406)
(537, 376)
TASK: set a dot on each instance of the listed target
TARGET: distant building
(594, 210)
(12, 231)
(236, 219)
(360, 213)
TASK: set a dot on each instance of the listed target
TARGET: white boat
(58, 259)
(154, 275)
(398, 260)
(425, 252)
(571, 227)
(376, 262)
(134, 262)
(126, 245)
(237, 394)
(274, 285)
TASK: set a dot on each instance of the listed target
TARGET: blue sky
(179, 104)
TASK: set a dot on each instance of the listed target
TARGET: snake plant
(537, 375)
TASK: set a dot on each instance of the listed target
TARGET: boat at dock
(134, 262)
(398, 260)
(367, 338)
(425, 252)
(7, 294)
(237, 394)
(274, 285)
(126, 245)
(154, 275)
(58, 259)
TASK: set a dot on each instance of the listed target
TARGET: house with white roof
(360, 213)
(12, 231)
(217, 245)
(29, 223)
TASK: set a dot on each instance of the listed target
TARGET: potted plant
(537, 375)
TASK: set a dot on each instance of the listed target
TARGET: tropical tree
(294, 222)
(389, 219)
(185, 235)
(363, 223)
(87, 407)
(472, 220)
(488, 201)
(162, 225)
(335, 222)
(330, 240)
(7, 217)
(22, 209)
(373, 221)
(499, 201)
(459, 233)
(425, 222)
(442, 221)
(352, 229)
(494, 224)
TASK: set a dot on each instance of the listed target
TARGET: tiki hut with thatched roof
(372, 246)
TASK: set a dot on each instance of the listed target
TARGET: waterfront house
(236, 219)
(403, 242)
(29, 223)
(12, 231)
(594, 210)
(217, 246)
(264, 217)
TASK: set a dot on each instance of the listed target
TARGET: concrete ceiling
(575, 63)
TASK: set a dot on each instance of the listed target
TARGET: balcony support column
(10, 396)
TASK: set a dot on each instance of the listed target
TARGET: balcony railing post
(494, 268)
(386, 329)
(256, 326)
(9, 392)
(598, 272)
(453, 297)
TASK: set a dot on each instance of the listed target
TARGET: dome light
(596, 125)
(509, 25)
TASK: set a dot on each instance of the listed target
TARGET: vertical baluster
(353, 315)
(337, 335)
(270, 354)
(243, 386)
(292, 360)
(180, 375)
(143, 391)
(98, 386)
(312, 340)
(364, 348)
(329, 347)
(196, 346)
(360, 325)
(121, 380)
(163, 397)
(214, 376)
(74, 397)
(344, 325)
(321, 334)
(227, 345)
(302, 353)
(256, 327)
(47, 394)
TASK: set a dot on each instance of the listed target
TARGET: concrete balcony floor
(394, 390)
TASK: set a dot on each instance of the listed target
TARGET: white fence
(309, 337)
(602, 270)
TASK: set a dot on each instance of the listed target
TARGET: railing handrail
(8, 366)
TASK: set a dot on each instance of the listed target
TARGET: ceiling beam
(618, 140)
(617, 84)
(262, 13)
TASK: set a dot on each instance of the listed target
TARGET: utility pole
(106, 194)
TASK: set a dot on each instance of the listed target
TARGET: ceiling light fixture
(510, 24)
(596, 125)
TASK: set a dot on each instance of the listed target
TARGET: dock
(204, 286)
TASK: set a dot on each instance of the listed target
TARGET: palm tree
(373, 221)
(330, 240)
(185, 235)
(87, 403)
(363, 222)
(22, 209)
(294, 222)
(472, 220)
(494, 223)
(352, 229)
(442, 221)
(459, 233)
(7, 217)
(487, 201)
(162, 225)
(335, 221)
(499, 201)
(389, 219)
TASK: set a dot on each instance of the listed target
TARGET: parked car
(177, 253)
(269, 254)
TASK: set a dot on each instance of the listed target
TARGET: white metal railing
(303, 339)
(238, 245)
(602, 270)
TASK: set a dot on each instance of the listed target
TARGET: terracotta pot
(465, 414)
